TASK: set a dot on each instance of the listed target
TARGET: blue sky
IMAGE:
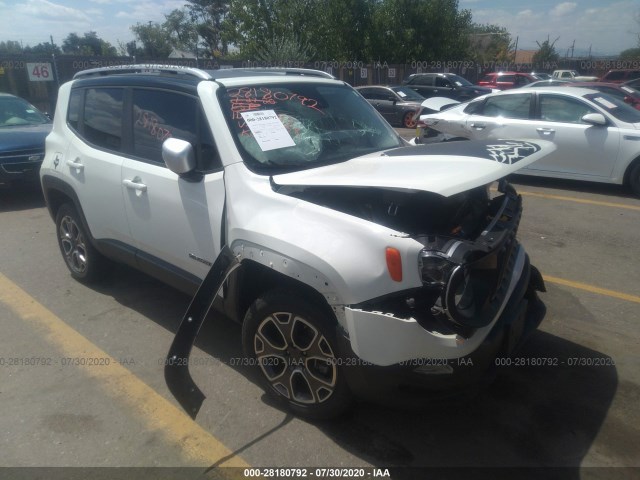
(604, 26)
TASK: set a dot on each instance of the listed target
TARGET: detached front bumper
(409, 356)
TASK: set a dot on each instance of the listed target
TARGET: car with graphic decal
(357, 265)
(597, 135)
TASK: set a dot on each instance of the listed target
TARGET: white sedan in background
(597, 136)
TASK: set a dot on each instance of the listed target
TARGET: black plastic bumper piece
(176, 370)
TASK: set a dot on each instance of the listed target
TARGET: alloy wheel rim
(73, 245)
(296, 358)
(410, 121)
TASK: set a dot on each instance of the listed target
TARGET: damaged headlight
(435, 268)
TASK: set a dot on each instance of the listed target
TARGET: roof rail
(197, 72)
(143, 68)
(254, 71)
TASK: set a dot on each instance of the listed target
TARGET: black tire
(292, 344)
(84, 262)
(409, 120)
(634, 178)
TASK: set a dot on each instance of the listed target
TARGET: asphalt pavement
(82, 386)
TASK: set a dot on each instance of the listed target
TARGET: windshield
(616, 107)
(295, 126)
(15, 111)
(407, 94)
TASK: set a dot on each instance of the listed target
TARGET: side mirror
(178, 155)
(594, 119)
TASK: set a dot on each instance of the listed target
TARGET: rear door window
(73, 112)
(508, 106)
(103, 114)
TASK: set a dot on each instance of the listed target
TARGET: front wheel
(84, 262)
(293, 343)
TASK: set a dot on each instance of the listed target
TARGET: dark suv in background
(23, 129)
(447, 85)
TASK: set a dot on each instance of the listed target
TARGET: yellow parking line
(592, 289)
(580, 200)
(156, 412)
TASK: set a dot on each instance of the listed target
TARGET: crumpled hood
(445, 169)
(23, 137)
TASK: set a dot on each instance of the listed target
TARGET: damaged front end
(475, 276)
(466, 267)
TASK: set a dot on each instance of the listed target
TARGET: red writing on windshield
(246, 99)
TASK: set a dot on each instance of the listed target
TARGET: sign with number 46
(40, 72)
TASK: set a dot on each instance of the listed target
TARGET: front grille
(477, 289)
(21, 161)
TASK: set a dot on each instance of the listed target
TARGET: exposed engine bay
(412, 212)
(469, 244)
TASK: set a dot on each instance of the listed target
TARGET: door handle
(545, 131)
(478, 126)
(135, 184)
(77, 164)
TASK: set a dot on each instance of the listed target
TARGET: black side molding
(176, 369)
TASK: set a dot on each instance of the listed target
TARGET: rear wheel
(293, 344)
(634, 178)
(409, 120)
(84, 262)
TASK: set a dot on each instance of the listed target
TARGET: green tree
(10, 47)
(44, 48)
(342, 29)
(182, 30)
(490, 43)
(285, 49)
(546, 54)
(407, 30)
(155, 39)
(210, 20)
(630, 54)
(252, 24)
(89, 44)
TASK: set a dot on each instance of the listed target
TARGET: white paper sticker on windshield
(402, 94)
(268, 130)
(604, 103)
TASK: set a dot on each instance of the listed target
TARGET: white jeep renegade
(363, 264)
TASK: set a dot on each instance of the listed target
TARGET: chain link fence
(37, 78)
